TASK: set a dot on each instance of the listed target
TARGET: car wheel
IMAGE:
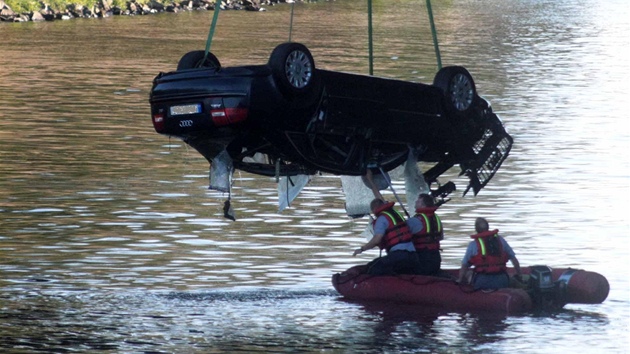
(293, 68)
(458, 87)
(195, 59)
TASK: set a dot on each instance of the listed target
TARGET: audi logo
(185, 123)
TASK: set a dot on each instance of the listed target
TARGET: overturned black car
(302, 119)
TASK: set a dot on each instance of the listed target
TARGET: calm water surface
(111, 242)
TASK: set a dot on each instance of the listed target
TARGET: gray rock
(156, 5)
(132, 7)
(7, 12)
(36, 17)
(106, 5)
(105, 8)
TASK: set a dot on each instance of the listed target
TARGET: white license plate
(186, 109)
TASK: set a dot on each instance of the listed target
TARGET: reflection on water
(110, 240)
(264, 321)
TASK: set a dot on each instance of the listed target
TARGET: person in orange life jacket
(426, 228)
(488, 254)
(392, 234)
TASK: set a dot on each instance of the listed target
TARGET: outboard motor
(542, 286)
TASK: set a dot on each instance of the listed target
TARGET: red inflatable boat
(541, 288)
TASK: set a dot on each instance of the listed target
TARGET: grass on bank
(20, 6)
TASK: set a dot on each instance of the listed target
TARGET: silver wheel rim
(461, 92)
(298, 69)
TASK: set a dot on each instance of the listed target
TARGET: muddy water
(110, 240)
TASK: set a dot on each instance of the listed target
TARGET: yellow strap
(439, 222)
(391, 217)
(483, 247)
(426, 222)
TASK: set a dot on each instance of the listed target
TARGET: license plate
(186, 109)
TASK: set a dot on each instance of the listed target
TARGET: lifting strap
(389, 182)
(291, 23)
(213, 25)
(433, 33)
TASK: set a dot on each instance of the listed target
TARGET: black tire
(195, 59)
(293, 69)
(458, 87)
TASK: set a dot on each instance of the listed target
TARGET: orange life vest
(432, 233)
(397, 230)
(491, 257)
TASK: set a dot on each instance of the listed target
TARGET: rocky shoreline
(104, 8)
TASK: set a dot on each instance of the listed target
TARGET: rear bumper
(205, 101)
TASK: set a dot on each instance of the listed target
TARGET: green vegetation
(20, 6)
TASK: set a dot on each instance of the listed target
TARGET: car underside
(287, 118)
